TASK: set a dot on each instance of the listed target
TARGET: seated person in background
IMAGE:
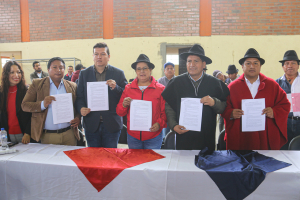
(68, 76)
(254, 85)
(38, 101)
(219, 75)
(232, 74)
(13, 89)
(290, 83)
(169, 70)
(144, 87)
(38, 73)
(75, 75)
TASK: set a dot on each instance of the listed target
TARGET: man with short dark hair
(290, 83)
(232, 72)
(38, 101)
(195, 84)
(38, 73)
(254, 85)
(102, 128)
(68, 76)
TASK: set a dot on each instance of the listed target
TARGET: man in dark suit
(102, 128)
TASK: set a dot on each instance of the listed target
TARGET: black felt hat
(232, 69)
(251, 53)
(290, 55)
(196, 50)
(142, 58)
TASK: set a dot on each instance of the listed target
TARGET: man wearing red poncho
(254, 85)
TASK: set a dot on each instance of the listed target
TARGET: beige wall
(223, 50)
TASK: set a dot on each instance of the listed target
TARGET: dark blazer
(111, 121)
(24, 118)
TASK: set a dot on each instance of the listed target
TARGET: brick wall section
(65, 19)
(137, 18)
(255, 17)
(175, 18)
(10, 27)
(132, 18)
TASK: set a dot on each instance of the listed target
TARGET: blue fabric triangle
(237, 173)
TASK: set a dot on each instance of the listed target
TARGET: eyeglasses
(142, 69)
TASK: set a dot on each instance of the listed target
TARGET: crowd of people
(27, 115)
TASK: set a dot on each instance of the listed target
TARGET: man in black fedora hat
(102, 128)
(254, 85)
(290, 83)
(195, 84)
(232, 72)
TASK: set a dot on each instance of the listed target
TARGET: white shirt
(39, 74)
(253, 87)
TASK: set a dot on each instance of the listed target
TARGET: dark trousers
(293, 130)
(102, 138)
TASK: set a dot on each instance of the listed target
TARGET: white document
(97, 96)
(140, 115)
(62, 108)
(253, 120)
(191, 113)
(289, 97)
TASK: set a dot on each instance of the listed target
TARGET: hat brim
(262, 61)
(151, 65)
(232, 71)
(185, 55)
(282, 61)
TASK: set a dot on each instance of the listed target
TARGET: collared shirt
(100, 77)
(197, 82)
(39, 74)
(253, 87)
(49, 125)
(164, 80)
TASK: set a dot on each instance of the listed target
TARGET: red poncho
(275, 134)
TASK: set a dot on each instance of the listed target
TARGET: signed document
(295, 104)
(191, 113)
(62, 108)
(97, 96)
(253, 120)
(140, 115)
(289, 97)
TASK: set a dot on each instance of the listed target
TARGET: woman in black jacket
(16, 122)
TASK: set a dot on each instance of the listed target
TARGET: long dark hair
(5, 82)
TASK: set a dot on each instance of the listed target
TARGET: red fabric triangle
(101, 165)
